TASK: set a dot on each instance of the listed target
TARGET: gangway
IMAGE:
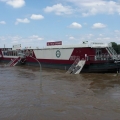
(112, 53)
(14, 62)
(79, 66)
(76, 67)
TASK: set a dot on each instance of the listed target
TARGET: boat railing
(21, 55)
(12, 61)
(100, 57)
(113, 53)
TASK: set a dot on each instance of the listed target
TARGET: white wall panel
(10, 56)
(51, 54)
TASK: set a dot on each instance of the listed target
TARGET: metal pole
(39, 65)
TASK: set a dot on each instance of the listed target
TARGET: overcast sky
(35, 22)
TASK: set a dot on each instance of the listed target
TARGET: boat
(89, 57)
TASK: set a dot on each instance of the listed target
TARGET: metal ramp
(112, 53)
(76, 66)
(14, 62)
(79, 66)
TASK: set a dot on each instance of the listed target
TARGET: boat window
(10, 53)
(7, 53)
(4, 53)
(98, 52)
(15, 53)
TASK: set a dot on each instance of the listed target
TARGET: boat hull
(63, 58)
(108, 67)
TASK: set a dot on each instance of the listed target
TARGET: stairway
(112, 53)
(14, 62)
(79, 66)
(76, 66)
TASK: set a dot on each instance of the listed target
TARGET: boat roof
(82, 45)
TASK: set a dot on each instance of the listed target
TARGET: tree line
(116, 47)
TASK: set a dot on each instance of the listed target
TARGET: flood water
(25, 94)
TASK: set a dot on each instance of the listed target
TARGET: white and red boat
(84, 57)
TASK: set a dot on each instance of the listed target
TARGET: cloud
(2, 38)
(93, 7)
(51, 41)
(15, 3)
(107, 38)
(75, 25)
(89, 36)
(59, 9)
(98, 25)
(71, 38)
(21, 21)
(32, 41)
(100, 35)
(35, 37)
(2, 22)
(15, 42)
(117, 31)
(15, 38)
(85, 23)
(36, 17)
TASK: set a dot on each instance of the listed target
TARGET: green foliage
(116, 47)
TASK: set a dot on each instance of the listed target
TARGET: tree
(119, 49)
(115, 46)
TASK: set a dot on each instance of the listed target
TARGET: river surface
(27, 94)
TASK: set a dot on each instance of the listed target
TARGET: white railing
(112, 53)
(13, 62)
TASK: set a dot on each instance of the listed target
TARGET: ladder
(14, 62)
(112, 53)
(76, 67)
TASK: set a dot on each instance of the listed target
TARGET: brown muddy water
(57, 96)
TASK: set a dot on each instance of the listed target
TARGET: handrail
(39, 65)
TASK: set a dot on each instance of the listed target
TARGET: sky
(33, 23)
